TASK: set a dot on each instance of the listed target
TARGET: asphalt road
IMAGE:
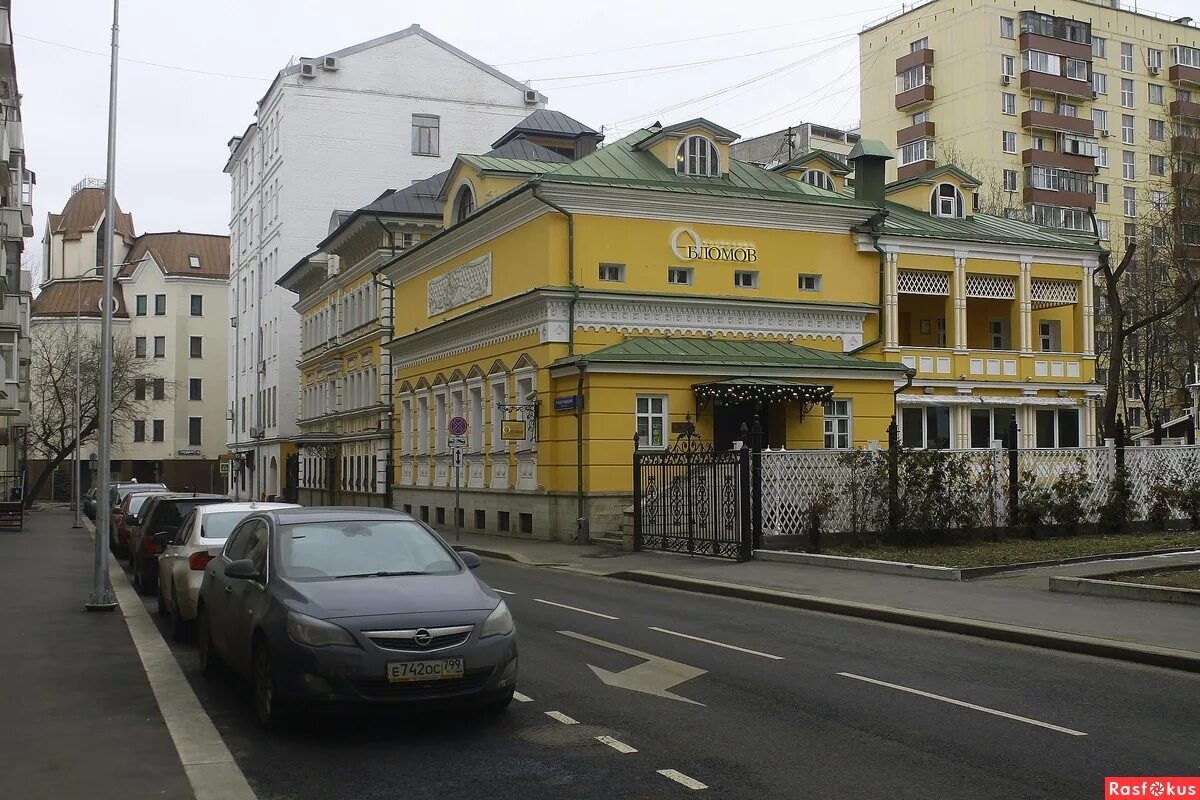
(810, 706)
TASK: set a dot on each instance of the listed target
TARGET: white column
(1087, 298)
(1026, 306)
(891, 322)
(1025, 420)
(958, 293)
(962, 425)
(1089, 422)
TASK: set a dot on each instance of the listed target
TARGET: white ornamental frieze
(461, 285)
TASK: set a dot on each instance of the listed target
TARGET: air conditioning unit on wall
(256, 433)
(1006, 79)
(329, 63)
(531, 96)
(308, 70)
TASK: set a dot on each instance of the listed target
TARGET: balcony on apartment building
(1185, 145)
(1053, 121)
(914, 81)
(1186, 181)
(1184, 75)
(1034, 81)
(922, 130)
(1059, 187)
(1053, 44)
(1185, 110)
(990, 339)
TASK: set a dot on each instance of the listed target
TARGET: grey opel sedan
(343, 607)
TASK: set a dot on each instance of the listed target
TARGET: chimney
(869, 159)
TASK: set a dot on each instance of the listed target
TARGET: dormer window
(464, 203)
(946, 201)
(815, 177)
(697, 155)
(194, 261)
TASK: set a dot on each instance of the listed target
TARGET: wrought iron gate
(694, 499)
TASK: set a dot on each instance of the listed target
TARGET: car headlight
(499, 622)
(316, 632)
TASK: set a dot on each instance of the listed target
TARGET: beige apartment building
(1061, 109)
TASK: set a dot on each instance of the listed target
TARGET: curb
(969, 573)
(1126, 591)
(1034, 637)
(500, 555)
(862, 564)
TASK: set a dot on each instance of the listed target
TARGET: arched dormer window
(697, 155)
(946, 201)
(464, 203)
(817, 178)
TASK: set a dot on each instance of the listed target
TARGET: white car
(201, 536)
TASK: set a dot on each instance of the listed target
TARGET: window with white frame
(919, 44)
(1037, 61)
(1099, 47)
(1101, 192)
(1126, 56)
(925, 427)
(1099, 83)
(921, 117)
(406, 425)
(1154, 59)
(1008, 66)
(1127, 129)
(526, 395)
(1158, 165)
(1158, 130)
(1130, 201)
(1154, 93)
(946, 201)
(1099, 119)
(1126, 93)
(475, 400)
(1102, 157)
(440, 421)
(1008, 103)
(1010, 180)
(809, 283)
(990, 425)
(1102, 229)
(1037, 104)
(423, 424)
(697, 155)
(913, 78)
(1077, 69)
(612, 272)
(1056, 427)
(1008, 28)
(1050, 336)
(837, 424)
(651, 421)
(745, 279)
(1186, 56)
(818, 178)
(499, 391)
(1008, 141)
(1158, 200)
(1128, 170)
(426, 131)
(679, 275)
(913, 152)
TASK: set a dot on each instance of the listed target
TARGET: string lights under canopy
(761, 390)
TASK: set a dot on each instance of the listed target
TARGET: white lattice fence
(1151, 469)
(793, 479)
(1045, 467)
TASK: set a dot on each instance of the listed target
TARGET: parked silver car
(337, 607)
(200, 538)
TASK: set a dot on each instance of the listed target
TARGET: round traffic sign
(458, 426)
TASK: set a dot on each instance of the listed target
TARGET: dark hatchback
(345, 607)
(158, 522)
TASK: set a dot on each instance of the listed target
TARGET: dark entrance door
(728, 420)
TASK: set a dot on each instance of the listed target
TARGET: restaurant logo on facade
(688, 246)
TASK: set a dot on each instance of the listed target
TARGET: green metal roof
(511, 165)
(929, 175)
(835, 164)
(728, 352)
(904, 221)
(869, 147)
(622, 164)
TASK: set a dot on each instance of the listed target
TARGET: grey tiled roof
(547, 122)
(522, 148)
(419, 200)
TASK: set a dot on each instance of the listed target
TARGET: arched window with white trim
(697, 155)
(464, 203)
(817, 178)
(946, 201)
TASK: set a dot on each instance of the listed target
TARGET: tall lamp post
(102, 597)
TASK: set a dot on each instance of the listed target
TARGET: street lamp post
(75, 473)
(102, 597)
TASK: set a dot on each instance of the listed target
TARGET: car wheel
(498, 706)
(210, 662)
(269, 707)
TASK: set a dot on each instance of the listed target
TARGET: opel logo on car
(422, 637)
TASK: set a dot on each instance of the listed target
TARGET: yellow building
(566, 306)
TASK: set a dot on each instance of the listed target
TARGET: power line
(776, 26)
(139, 61)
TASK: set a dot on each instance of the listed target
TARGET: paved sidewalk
(1157, 625)
(80, 720)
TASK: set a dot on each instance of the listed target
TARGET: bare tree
(52, 392)
(994, 198)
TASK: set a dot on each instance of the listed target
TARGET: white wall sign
(687, 245)
(461, 285)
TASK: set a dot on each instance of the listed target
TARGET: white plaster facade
(332, 133)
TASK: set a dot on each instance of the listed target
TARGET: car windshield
(364, 548)
(219, 526)
(137, 501)
(123, 491)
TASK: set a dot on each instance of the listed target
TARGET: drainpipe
(378, 280)
(873, 227)
(581, 528)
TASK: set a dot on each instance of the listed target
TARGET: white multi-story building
(172, 302)
(328, 133)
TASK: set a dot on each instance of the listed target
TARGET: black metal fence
(692, 498)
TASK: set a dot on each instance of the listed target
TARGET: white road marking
(971, 706)
(501, 591)
(522, 698)
(561, 717)
(573, 608)
(619, 746)
(718, 644)
(682, 779)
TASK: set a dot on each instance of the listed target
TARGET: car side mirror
(243, 569)
(116, 510)
(163, 538)
(470, 559)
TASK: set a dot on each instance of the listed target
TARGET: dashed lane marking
(573, 608)
(964, 704)
(615, 744)
(717, 644)
(682, 779)
(522, 698)
(561, 717)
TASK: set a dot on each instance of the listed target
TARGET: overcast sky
(769, 64)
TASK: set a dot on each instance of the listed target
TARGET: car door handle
(228, 590)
